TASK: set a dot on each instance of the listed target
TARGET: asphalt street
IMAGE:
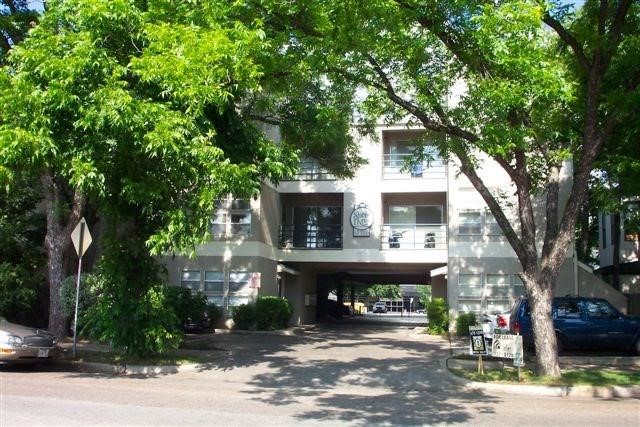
(362, 375)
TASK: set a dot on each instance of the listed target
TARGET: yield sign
(81, 237)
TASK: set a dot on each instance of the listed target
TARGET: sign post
(478, 345)
(81, 239)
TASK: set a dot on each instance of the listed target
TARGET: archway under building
(343, 287)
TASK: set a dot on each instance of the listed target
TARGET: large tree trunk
(61, 219)
(545, 340)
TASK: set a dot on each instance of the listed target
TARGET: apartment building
(628, 251)
(389, 224)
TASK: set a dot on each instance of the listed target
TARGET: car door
(569, 321)
(609, 328)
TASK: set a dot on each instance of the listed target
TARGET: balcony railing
(309, 170)
(413, 236)
(309, 236)
(393, 167)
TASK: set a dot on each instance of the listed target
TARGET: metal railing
(413, 236)
(310, 236)
(310, 170)
(393, 167)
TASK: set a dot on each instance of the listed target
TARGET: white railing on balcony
(394, 167)
(413, 236)
(310, 170)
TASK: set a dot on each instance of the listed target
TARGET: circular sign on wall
(361, 220)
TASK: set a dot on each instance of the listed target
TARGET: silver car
(21, 344)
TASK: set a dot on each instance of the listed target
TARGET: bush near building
(267, 313)
(438, 315)
(463, 321)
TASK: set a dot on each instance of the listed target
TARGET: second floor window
(232, 218)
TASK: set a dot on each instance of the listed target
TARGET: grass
(118, 359)
(590, 376)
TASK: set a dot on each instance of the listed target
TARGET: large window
(488, 293)
(232, 217)
(214, 281)
(470, 223)
(407, 214)
(492, 226)
(190, 279)
(317, 226)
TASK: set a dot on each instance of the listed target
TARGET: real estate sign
(508, 347)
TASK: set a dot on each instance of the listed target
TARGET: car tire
(636, 347)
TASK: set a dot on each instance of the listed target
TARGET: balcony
(310, 236)
(394, 167)
(310, 170)
(413, 236)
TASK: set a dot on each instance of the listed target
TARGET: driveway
(327, 376)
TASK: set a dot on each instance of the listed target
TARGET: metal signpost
(81, 239)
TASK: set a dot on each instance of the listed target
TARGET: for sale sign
(508, 346)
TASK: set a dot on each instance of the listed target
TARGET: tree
(384, 291)
(543, 86)
(147, 113)
(22, 260)
(424, 294)
(15, 20)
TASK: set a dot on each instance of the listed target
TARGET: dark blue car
(581, 323)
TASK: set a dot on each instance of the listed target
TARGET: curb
(124, 370)
(605, 392)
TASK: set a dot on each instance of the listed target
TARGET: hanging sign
(361, 221)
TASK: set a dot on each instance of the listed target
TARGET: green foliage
(244, 317)
(438, 315)
(272, 313)
(384, 291)
(21, 236)
(132, 311)
(463, 321)
(215, 314)
(266, 314)
(185, 304)
(87, 297)
(424, 294)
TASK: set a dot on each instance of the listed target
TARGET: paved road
(328, 376)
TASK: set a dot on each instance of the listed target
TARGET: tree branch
(569, 39)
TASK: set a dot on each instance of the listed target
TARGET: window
(498, 286)
(239, 282)
(232, 218)
(600, 310)
(415, 214)
(631, 222)
(518, 286)
(491, 225)
(568, 310)
(470, 286)
(190, 279)
(603, 228)
(470, 222)
(214, 281)
(317, 227)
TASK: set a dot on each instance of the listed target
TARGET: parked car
(494, 324)
(379, 307)
(21, 344)
(581, 323)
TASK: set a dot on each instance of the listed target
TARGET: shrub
(186, 304)
(463, 321)
(272, 313)
(87, 297)
(244, 316)
(132, 311)
(438, 315)
(215, 314)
